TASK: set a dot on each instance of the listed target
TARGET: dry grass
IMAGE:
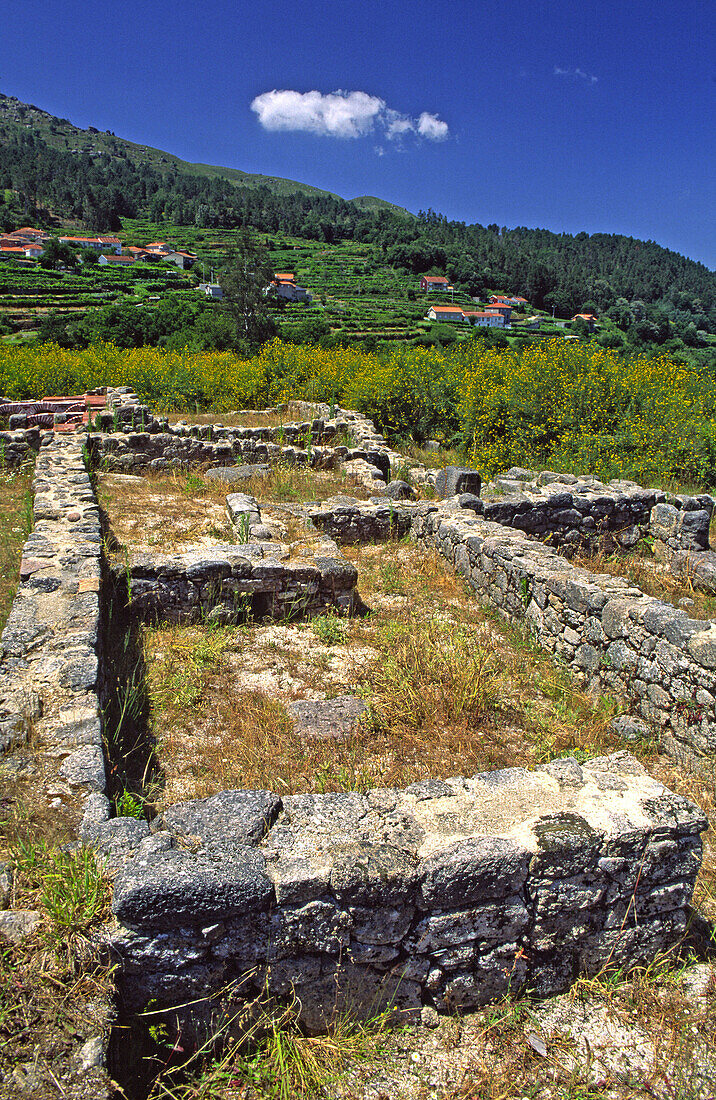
(254, 418)
(169, 511)
(448, 691)
(164, 511)
(15, 525)
(645, 1035)
(296, 484)
(55, 991)
(652, 577)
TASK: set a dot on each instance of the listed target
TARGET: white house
(181, 259)
(482, 318)
(284, 286)
(100, 244)
(451, 314)
(212, 290)
(116, 261)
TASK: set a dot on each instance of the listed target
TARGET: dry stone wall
(580, 512)
(50, 644)
(443, 895)
(229, 583)
(309, 443)
(446, 894)
(651, 654)
(17, 447)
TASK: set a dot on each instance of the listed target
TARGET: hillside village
(343, 293)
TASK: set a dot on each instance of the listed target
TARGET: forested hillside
(99, 183)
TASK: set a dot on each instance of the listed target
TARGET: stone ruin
(441, 896)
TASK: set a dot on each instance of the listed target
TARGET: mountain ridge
(59, 132)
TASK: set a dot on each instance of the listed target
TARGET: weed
(16, 510)
(69, 885)
(393, 578)
(129, 805)
(272, 1056)
(432, 670)
(329, 629)
(243, 528)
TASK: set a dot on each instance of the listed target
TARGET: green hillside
(61, 134)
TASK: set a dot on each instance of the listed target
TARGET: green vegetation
(16, 510)
(53, 173)
(570, 406)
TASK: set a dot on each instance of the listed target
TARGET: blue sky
(595, 116)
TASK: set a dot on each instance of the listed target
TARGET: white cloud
(432, 127)
(578, 74)
(342, 115)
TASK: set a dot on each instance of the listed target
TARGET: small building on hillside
(503, 308)
(182, 260)
(284, 286)
(433, 283)
(589, 319)
(100, 244)
(451, 314)
(482, 318)
(211, 290)
(117, 261)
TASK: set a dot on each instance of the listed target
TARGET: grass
(67, 885)
(17, 522)
(250, 418)
(163, 511)
(169, 511)
(624, 1037)
(269, 1055)
(55, 989)
(449, 691)
(644, 571)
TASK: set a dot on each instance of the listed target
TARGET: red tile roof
(434, 278)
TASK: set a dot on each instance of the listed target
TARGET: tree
(57, 253)
(244, 279)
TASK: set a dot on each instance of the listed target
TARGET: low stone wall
(576, 512)
(137, 452)
(21, 445)
(351, 521)
(650, 654)
(49, 672)
(50, 644)
(230, 583)
(447, 894)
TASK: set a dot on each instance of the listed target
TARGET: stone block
(178, 887)
(231, 817)
(453, 480)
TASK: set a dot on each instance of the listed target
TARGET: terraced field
(356, 295)
(26, 293)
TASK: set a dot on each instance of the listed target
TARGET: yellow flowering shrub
(574, 406)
